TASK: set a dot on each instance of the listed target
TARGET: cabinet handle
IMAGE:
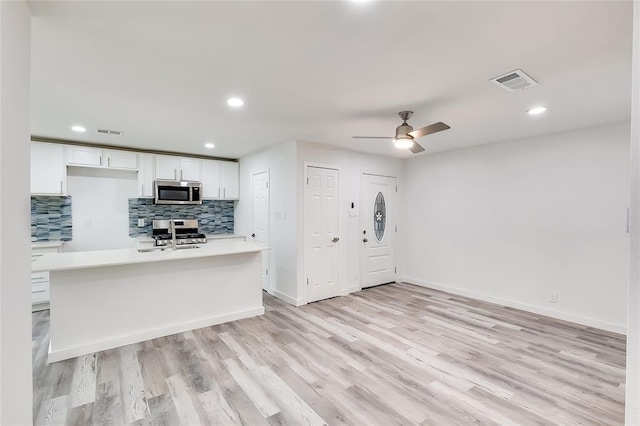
(175, 174)
(108, 161)
(37, 255)
(39, 291)
(218, 192)
(101, 160)
(61, 190)
(224, 193)
(142, 190)
(180, 174)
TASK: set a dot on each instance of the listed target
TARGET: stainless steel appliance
(178, 231)
(178, 192)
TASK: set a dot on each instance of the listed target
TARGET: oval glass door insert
(379, 216)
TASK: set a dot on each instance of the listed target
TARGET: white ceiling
(323, 71)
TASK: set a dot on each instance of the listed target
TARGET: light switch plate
(140, 223)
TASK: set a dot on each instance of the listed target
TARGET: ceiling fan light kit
(405, 135)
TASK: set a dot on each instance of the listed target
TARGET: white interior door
(321, 240)
(378, 224)
(260, 215)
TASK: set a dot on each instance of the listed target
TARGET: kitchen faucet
(172, 227)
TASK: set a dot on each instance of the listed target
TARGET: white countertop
(47, 244)
(98, 258)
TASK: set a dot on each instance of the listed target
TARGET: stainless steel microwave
(178, 192)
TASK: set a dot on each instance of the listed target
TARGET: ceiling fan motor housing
(403, 129)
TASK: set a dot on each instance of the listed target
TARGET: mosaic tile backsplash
(51, 219)
(214, 216)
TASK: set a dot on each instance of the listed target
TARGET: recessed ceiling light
(78, 129)
(235, 102)
(209, 145)
(537, 110)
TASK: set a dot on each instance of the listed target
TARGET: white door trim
(305, 241)
(268, 233)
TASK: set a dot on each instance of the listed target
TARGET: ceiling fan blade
(436, 127)
(416, 148)
(372, 137)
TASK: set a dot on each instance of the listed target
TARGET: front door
(260, 216)
(321, 239)
(378, 224)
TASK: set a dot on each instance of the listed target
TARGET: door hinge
(266, 272)
(267, 184)
(307, 181)
(307, 281)
(396, 229)
(395, 269)
(396, 188)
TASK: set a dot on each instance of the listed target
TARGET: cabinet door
(121, 159)
(84, 156)
(48, 174)
(229, 178)
(145, 175)
(211, 179)
(190, 169)
(166, 167)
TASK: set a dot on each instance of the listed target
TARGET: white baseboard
(286, 298)
(565, 316)
(352, 289)
(90, 348)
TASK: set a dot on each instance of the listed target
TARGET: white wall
(632, 406)
(15, 258)
(100, 209)
(280, 160)
(517, 221)
(351, 165)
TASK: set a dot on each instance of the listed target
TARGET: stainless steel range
(183, 232)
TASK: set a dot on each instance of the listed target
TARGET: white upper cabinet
(220, 180)
(229, 180)
(145, 175)
(167, 167)
(121, 159)
(211, 179)
(190, 169)
(48, 171)
(84, 156)
(178, 168)
(97, 157)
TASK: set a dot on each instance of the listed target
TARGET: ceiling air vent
(514, 80)
(110, 132)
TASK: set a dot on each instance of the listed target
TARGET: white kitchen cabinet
(117, 159)
(97, 157)
(191, 169)
(230, 180)
(168, 167)
(211, 179)
(48, 172)
(40, 294)
(145, 175)
(220, 180)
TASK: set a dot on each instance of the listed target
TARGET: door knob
(335, 239)
(364, 240)
(253, 235)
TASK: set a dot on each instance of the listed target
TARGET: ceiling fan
(405, 135)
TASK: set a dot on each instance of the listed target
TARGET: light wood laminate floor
(391, 355)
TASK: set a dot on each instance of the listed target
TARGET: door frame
(305, 239)
(264, 252)
(361, 224)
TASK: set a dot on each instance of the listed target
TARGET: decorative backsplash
(214, 216)
(51, 219)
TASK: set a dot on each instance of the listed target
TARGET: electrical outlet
(140, 223)
(553, 298)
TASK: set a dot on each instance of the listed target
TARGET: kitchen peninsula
(109, 298)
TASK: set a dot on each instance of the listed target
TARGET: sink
(154, 249)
